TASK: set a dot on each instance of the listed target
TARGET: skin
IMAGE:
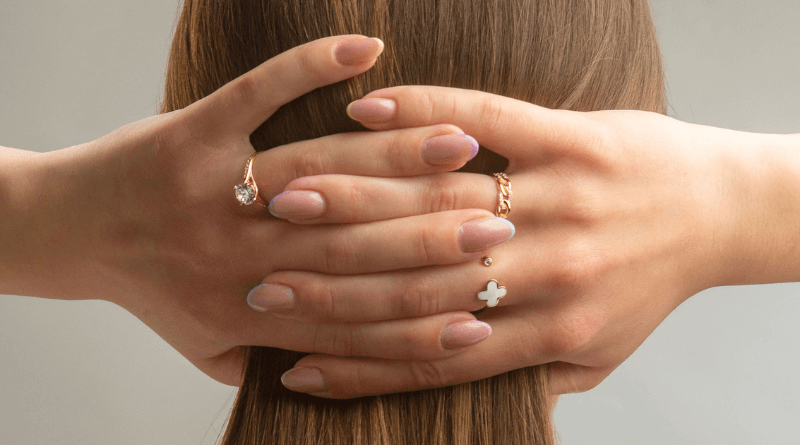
(621, 216)
(146, 218)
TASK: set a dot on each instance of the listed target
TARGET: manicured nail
(464, 333)
(304, 380)
(267, 297)
(372, 110)
(476, 236)
(358, 52)
(297, 204)
(449, 149)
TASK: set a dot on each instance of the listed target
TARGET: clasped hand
(373, 263)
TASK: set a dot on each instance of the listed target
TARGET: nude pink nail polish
(298, 204)
(304, 380)
(475, 236)
(464, 333)
(372, 110)
(449, 149)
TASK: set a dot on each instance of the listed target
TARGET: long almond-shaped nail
(358, 52)
(476, 236)
(464, 333)
(304, 380)
(268, 296)
(449, 149)
(372, 110)
(297, 204)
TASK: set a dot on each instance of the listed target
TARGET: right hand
(146, 217)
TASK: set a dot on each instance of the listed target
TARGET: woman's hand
(620, 217)
(146, 217)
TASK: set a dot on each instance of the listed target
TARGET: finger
(515, 343)
(441, 335)
(391, 295)
(396, 153)
(506, 126)
(245, 103)
(435, 239)
(355, 199)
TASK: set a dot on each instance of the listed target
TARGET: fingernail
(449, 149)
(304, 380)
(464, 333)
(297, 204)
(372, 110)
(475, 236)
(358, 52)
(267, 297)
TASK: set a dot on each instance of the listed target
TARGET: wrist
(762, 188)
(46, 247)
(17, 207)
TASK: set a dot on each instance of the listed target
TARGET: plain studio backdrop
(720, 370)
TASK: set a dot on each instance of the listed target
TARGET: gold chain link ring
(504, 195)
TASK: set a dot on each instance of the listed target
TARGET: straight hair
(581, 55)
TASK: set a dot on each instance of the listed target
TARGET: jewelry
(492, 294)
(247, 191)
(504, 195)
(486, 261)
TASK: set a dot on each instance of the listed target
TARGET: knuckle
(580, 203)
(309, 161)
(490, 114)
(340, 340)
(420, 298)
(573, 333)
(307, 64)
(246, 90)
(427, 374)
(357, 205)
(397, 154)
(576, 267)
(423, 251)
(426, 105)
(338, 254)
(324, 307)
(443, 194)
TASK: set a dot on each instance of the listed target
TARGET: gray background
(719, 370)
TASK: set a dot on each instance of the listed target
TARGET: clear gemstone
(487, 261)
(245, 193)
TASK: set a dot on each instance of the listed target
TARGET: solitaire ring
(247, 191)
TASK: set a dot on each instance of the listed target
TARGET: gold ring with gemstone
(247, 192)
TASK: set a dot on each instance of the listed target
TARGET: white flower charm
(492, 294)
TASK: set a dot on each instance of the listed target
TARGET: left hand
(619, 219)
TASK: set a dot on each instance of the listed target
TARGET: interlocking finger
(434, 337)
(515, 343)
(354, 199)
(396, 153)
(434, 239)
(242, 105)
(509, 127)
(318, 297)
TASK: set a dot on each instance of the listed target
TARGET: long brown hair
(573, 54)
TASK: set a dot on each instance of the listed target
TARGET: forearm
(763, 189)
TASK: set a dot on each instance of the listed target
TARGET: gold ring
(504, 195)
(247, 191)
